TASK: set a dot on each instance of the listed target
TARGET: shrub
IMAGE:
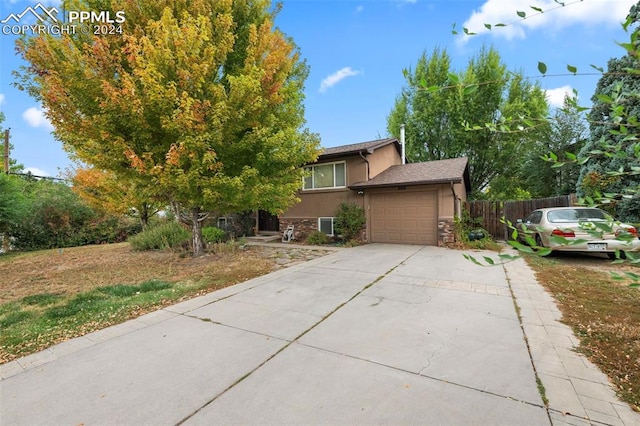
(470, 234)
(317, 238)
(161, 237)
(53, 216)
(349, 221)
(244, 223)
(212, 234)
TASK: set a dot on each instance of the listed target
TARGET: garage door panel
(404, 217)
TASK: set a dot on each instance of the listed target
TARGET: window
(576, 215)
(534, 218)
(329, 175)
(224, 222)
(325, 225)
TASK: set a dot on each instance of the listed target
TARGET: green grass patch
(13, 318)
(42, 299)
(39, 321)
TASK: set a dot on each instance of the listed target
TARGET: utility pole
(5, 238)
(6, 151)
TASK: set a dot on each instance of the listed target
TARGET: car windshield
(575, 215)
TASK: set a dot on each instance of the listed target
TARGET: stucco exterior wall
(382, 159)
(323, 202)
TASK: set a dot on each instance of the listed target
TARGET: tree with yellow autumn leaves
(198, 102)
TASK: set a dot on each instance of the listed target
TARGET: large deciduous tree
(200, 102)
(567, 133)
(439, 106)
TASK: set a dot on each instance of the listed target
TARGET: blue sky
(357, 49)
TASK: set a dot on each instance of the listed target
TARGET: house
(403, 203)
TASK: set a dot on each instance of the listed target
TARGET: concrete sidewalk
(375, 334)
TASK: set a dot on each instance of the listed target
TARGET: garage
(415, 203)
(404, 217)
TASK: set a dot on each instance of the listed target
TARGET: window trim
(313, 181)
(333, 219)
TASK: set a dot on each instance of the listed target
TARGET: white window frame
(313, 181)
(333, 219)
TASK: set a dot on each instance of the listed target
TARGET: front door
(268, 222)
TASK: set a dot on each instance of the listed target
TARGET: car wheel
(612, 255)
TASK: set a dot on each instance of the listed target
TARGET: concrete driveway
(376, 334)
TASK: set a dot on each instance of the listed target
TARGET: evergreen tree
(613, 122)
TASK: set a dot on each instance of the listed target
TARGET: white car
(579, 229)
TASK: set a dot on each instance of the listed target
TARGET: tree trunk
(6, 246)
(144, 215)
(196, 228)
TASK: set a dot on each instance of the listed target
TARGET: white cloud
(556, 96)
(555, 16)
(336, 77)
(35, 118)
(36, 171)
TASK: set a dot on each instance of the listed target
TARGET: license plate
(597, 246)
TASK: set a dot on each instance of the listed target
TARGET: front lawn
(50, 296)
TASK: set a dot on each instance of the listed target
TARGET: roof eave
(368, 150)
(365, 185)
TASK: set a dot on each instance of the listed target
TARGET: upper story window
(327, 175)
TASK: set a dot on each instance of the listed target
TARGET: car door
(531, 223)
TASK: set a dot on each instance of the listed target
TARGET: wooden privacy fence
(490, 213)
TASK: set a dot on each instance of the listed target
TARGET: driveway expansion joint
(419, 374)
(289, 343)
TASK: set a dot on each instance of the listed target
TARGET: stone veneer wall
(446, 233)
(301, 227)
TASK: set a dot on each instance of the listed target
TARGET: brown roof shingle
(358, 147)
(451, 170)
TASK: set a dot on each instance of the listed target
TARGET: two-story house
(404, 203)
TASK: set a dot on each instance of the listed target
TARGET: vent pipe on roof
(402, 141)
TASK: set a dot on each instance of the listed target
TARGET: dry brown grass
(50, 296)
(604, 314)
(78, 269)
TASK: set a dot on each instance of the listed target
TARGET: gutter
(364, 185)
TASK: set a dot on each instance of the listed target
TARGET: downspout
(366, 161)
(456, 205)
(361, 193)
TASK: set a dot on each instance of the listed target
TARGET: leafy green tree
(566, 135)
(12, 206)
(200, 102)
(613, 122)
(104, 191)
(427, 115)
(440, 106)
(51, 215)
